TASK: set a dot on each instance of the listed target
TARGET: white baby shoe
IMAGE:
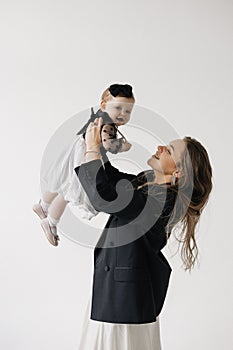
(37, 208)
(50, 232)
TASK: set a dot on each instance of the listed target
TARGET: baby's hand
(125, 146)
(116, 145)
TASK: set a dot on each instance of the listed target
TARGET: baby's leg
(41, 208)
(55, 212)
(57, 207)
(47, 199)
(50, 209)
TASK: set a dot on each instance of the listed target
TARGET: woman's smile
(155, 156)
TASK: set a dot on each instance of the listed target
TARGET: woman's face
(119, 109)
(166, 158)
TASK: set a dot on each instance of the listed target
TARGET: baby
(62, 184)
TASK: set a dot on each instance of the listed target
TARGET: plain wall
(56, 59)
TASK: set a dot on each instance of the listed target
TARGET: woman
(131, 274)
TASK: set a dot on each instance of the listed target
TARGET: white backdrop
(56, 59)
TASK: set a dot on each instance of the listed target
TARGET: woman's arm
(117, 197)
(114, 175)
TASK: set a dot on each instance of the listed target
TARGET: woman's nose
(160, 148)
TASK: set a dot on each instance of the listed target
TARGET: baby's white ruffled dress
(61, 177)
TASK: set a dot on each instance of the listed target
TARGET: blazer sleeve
(113, 174)
(116, 197)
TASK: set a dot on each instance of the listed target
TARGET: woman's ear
(102, 105)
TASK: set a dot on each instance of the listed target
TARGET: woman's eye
(169, 151)
(127, 111)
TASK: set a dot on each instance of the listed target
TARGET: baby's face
(119, 109)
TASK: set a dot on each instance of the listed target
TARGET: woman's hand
(93, 138)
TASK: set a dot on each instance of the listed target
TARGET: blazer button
(106, 268)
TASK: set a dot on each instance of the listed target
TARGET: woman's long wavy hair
(192, 191)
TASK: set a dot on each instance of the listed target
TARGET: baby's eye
(118, 108)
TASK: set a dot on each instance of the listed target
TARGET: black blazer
(131, 274)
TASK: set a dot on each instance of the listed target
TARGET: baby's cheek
(127, 119)
(113, 113)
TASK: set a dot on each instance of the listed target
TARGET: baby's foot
(37, 208)
(50, 232)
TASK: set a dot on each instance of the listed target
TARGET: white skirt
(98, 335)
(61, 177)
